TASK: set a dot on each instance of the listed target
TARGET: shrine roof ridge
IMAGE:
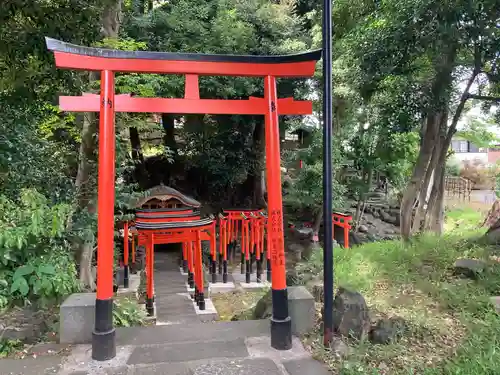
(60, 46)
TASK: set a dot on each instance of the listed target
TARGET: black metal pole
(327, 173)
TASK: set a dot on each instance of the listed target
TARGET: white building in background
(466, 151)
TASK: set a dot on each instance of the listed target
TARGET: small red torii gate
(191, 65)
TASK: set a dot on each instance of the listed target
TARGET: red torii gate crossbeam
(191, 65)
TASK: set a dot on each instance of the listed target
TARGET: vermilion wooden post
(103, 336)
(346, 234)
(150, 248)
(199, 265)
(190, 264)
(125, 256)
(281, 324)
(184, 257)
(225, 244)
(213, 252)
(133, 253)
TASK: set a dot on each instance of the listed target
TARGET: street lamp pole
(327, 173)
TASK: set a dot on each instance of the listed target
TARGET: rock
(295, 251)
(318, 291)
(351, 317)
(309, 250)
(304, 233)
(495, 301)
(363, 228)
(244, 315)
(292, 277)
(388, 330)
(383, 367)
(388, 218)
(264, 308)
(375, 213)
(469, 267)
(384, 215)
(371, 238)
(339, 347)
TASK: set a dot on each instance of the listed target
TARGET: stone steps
(191, 333)
(229, 348)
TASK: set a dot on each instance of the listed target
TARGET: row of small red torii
(187, 227)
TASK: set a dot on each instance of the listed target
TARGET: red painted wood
(82, 62)
(276, 244)
(126, 103)
(106, 187)
(192, 87)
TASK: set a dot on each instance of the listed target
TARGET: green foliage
(397, 156)
(127, 313)
(8, 347)
(478, 133)
(452, 167)
(406, 280)
(307, 187)
(45, 279)
(219, 152)
(34, 260)
(27, 158)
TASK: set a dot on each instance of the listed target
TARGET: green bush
(128, 313)
(47, 278)
(36, 264)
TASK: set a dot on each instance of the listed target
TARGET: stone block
(132, 290)
(252, 366)
(301, 309)
(495, 301)
(221, 287)
(209, 314)
(305, 366)
(77, 315)
(191, 351)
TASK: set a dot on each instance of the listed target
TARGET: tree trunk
(135, 143)
(85, 251)
(419, 171)
(434, 207)
(318, 219)
(436, 215)
(168, 122)
(430, 179)
(441, 84)
(259, 146)
(86, 154)
(140, 173)
(422, 197)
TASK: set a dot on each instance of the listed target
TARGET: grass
(464, 215)
(238, 303)
(454, 329)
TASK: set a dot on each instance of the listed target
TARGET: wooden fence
(458, 187)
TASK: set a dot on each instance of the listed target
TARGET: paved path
(173, 304)
(483, 196)
(221, 348)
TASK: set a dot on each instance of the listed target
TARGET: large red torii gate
(191, 65)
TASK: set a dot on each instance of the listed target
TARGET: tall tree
(431, 46)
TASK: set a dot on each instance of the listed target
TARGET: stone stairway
(221, 348)
(172, 302)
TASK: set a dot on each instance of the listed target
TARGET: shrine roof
(165, 193)
(60, 46)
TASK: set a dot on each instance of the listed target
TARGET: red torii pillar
(191, 65)
(103, 336)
